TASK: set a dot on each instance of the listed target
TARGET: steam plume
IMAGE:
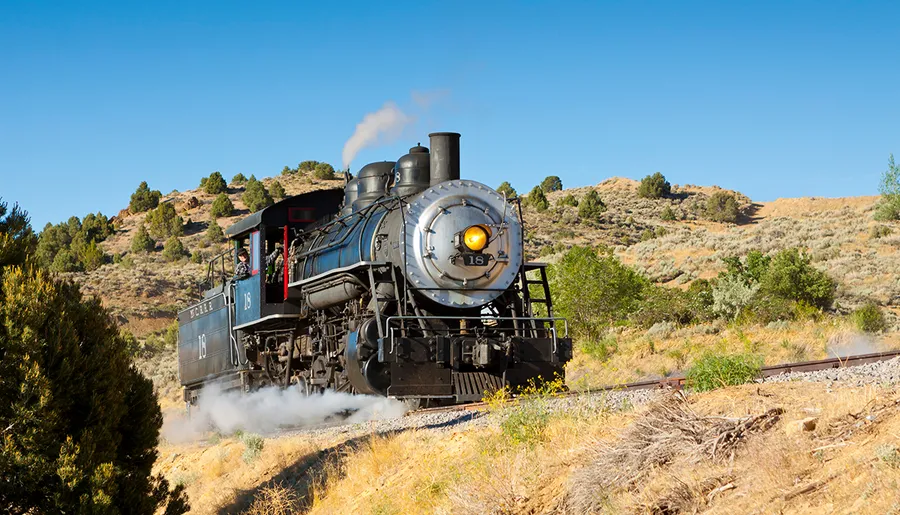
(270, 409)
(383, 126)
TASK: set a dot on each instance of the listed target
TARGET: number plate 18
(476, 259)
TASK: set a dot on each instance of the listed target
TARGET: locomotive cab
(210, 330)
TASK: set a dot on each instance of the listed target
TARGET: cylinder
(444, 157)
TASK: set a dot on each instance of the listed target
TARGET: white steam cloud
(381, 127)
(271, 409)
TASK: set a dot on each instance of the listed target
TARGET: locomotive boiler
(409, 282)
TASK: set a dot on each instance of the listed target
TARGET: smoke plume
(381, 127)
(271, 409)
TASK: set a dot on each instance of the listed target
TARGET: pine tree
(277, 190)
(143, 199)
(173, 250)
(222, 206)
(591, 207)
(81, 425)
(142, 242)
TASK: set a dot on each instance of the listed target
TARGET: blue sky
(775, 99)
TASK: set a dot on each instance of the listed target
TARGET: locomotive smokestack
(444, 156)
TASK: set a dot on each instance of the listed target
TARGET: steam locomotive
(409, 282)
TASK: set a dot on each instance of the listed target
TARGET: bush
(600, 349)
(791, 276)
(214, 232)
(731, 295)
(173, 250)
(222, 206)
(713, 371)
(537, 199)
(253, 446)
(196, 257)
(594, 290)
(92, 256)
(164, 222)
(568, 200)
(654, 186)
(506, 189)
(65, 261)
(668, 215)
(552, 183)
(215, 184)
(256, 196)
(591, 207)
(277, 190)
(81, 425)
(307, 166)
(889, 206)
(324, 171)
(722, 207)
(869, 318)
(238, 179)
(143, 199)
(142, 242)
(660, 304)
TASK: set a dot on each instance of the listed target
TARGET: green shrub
(17, 239)
(600, 349)
(143, 199)
(551, 183)
(869, 318)
(196, 257)
(506, 189)
(256, 196)
(287, 170)
(731, 295)
(722, 207)
(253, 446)
(215, 184)
(65, 261)
(591, 207)
(238, 179)
(791, 276)
(889, 206)
(173, 250)
(526, 423)
(660, 304)
(537, 199)
(668, 215)
(765, 308)
(164, 222)
(92, 256)
(222, 206)
(80, 424)
(214, 233)
(142, 242)
(307, 166)
(568, 200)
(594, 290)
(654, 186)
(750, 270)
(277, 190)
(324, 171)
(713, 371)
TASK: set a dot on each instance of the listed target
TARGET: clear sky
(774, 99)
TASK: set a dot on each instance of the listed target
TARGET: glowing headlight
(476, 237)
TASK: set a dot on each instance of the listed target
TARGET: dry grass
(637, 354)
(764, 469)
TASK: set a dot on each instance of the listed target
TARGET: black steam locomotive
(409, 282)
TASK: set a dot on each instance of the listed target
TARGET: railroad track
(679, 382)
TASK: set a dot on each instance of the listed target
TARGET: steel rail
(678, 382)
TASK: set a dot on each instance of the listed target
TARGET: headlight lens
(476, 237)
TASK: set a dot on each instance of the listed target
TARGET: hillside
(839, 233)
